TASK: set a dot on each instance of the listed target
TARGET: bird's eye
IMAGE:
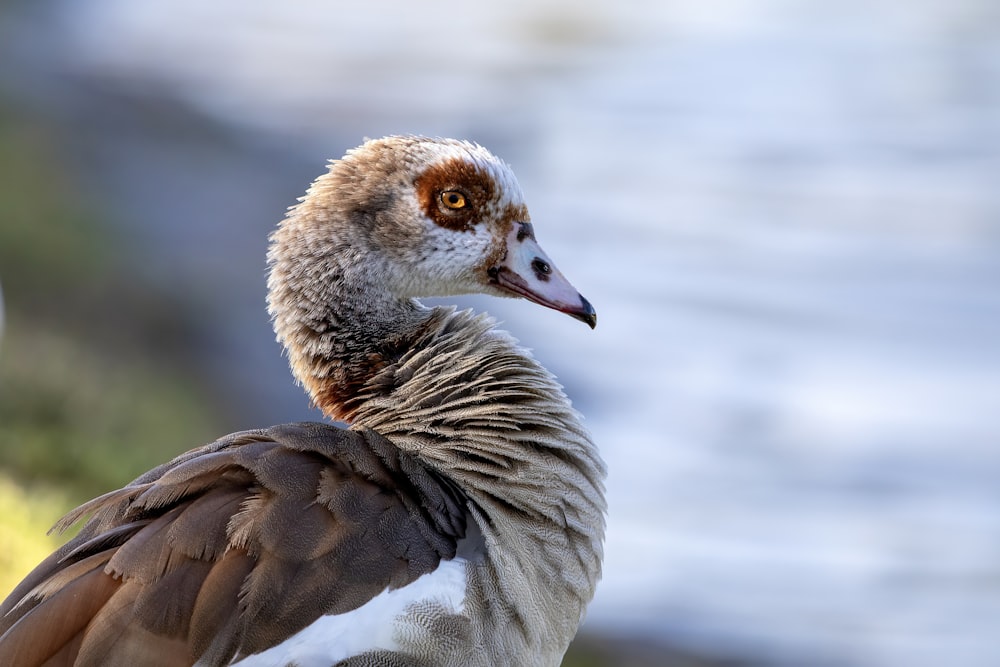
(453, 199)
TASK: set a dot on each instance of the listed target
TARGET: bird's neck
(343, 360)
(474, 406)
(339, 327)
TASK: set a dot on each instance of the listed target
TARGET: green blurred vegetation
(94, 387)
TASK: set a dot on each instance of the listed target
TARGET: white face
(454, 262)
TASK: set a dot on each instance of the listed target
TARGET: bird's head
(439, 217)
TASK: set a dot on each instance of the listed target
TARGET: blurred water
(788, 217)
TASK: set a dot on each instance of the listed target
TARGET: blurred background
(787, 214)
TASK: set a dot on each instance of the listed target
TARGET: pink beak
(528, 272)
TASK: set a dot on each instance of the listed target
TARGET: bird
(448, 511)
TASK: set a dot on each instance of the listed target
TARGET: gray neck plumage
(472, 404)
(338, 325)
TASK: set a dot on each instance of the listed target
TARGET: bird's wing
(232, 548)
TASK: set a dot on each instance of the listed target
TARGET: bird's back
(233, 548)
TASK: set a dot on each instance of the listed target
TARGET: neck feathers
(474, 405)
(327, 298)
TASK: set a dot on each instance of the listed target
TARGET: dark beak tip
(586, 314)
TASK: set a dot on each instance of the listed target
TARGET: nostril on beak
(542, 268)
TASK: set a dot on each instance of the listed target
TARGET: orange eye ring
(453, 199)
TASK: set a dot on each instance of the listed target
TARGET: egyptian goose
(458, 520)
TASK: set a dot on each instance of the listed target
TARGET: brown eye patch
(455, 194)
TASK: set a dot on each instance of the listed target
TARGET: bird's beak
(528, 272)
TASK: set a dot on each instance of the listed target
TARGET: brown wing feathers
(232, 548)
